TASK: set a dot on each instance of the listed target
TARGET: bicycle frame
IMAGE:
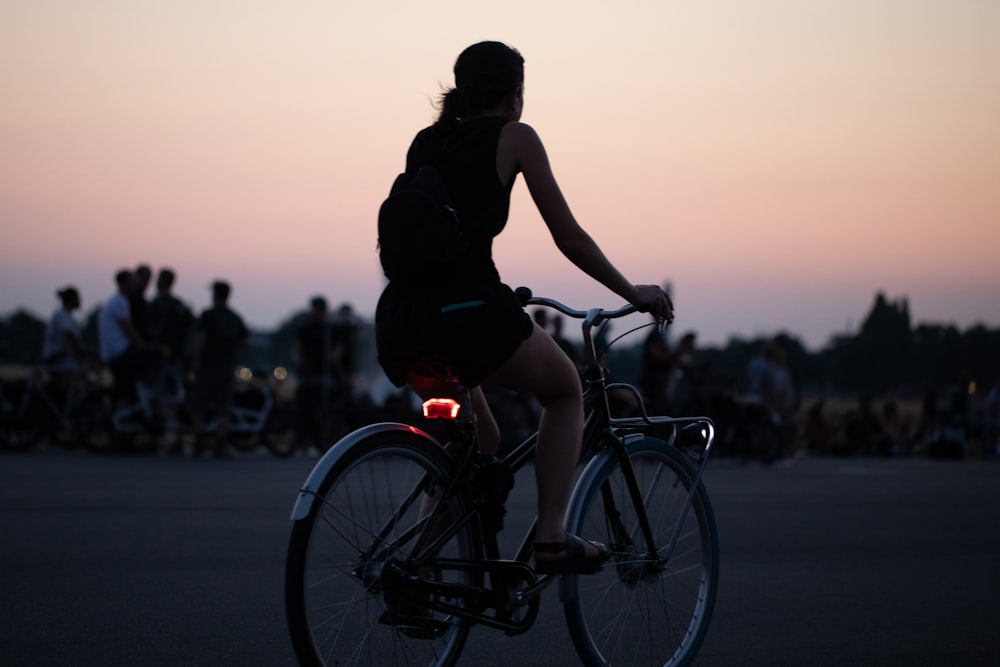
(395, 549)
(604, 436)
(37, 385)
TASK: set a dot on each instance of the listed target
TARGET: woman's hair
(485, 74)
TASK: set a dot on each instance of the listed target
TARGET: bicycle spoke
(376, 538)
(349, 600)
(637, 611)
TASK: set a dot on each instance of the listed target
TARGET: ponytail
(485, 74)
(450, 110)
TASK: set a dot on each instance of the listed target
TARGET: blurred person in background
(64, 353)
(220, 334)
(128, 355)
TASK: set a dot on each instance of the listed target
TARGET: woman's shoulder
(521, 139)
(519, 144)
(520, 131)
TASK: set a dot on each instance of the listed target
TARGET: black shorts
(472, 328)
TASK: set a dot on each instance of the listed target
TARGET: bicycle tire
(627, 614)
(334, 597)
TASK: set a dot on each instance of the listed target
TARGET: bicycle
(393, 554)
(162, 411)
(35, 409)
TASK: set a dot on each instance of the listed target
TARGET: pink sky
(777, 162)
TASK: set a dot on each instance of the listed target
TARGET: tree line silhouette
(887, 353)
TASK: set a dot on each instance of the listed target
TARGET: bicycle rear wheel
(343, 594)
(637, 611)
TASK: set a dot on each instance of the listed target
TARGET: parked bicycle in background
(159, 419)
(40, 408)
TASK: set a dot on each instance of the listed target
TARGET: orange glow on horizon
(793, 157)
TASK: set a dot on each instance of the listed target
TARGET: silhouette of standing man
(219, 335)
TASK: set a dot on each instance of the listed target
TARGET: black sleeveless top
(468, 319)
(467, 159)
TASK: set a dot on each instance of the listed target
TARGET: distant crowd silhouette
(945, 425)
(156, 349)
(159, 343)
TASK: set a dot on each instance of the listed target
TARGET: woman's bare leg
(540, 368)
(487, 431)
(487, 436)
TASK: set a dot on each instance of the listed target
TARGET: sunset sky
(778, 162)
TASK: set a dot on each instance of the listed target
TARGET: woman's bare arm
(521, 150)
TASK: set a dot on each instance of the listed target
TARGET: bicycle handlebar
(591, 316)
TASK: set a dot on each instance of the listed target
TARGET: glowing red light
(441, 408)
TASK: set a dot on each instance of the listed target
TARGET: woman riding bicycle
(471, 322)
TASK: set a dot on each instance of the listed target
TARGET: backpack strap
(449, 144)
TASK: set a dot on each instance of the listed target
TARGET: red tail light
(441, 408)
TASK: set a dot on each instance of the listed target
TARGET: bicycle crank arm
(510, 626)
(513, 593)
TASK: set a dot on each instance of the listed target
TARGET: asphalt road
(153, 561)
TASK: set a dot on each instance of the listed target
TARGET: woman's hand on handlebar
(653, 300)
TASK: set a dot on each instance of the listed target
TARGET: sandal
(576, 561)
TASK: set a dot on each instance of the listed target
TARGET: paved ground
(152, 561)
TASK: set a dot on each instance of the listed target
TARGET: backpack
(419, 233)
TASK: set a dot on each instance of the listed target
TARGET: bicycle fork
(636, 564)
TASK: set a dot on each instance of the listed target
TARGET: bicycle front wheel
(643, 610)
(345, 599)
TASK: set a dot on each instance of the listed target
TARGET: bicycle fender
(307, 494)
